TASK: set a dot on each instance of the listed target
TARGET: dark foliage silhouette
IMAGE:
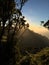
(46, 24)
(9, 12)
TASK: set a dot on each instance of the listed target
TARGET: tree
(6, 10)
(46, 24)
(20, 3)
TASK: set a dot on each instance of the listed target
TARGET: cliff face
(33, 40)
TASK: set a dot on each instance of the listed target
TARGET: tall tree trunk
(2, 31)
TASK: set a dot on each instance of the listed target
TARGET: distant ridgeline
(32, 42)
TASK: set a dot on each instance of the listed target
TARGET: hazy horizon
(40, 30)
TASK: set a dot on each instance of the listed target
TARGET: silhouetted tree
(20, 3)
(7, 10)
(46, 24)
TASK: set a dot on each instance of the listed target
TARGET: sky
(36, 11)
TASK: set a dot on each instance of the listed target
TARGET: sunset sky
(36, 11)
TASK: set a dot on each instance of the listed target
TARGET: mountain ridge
(33, 40)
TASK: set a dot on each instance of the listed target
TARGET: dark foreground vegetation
(40, 58)
(12, 22)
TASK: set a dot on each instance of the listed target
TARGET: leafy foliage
(46, 24)
(9, 30)
(6, 8)
(40, 58)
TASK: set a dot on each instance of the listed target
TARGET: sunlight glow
(38, 29)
